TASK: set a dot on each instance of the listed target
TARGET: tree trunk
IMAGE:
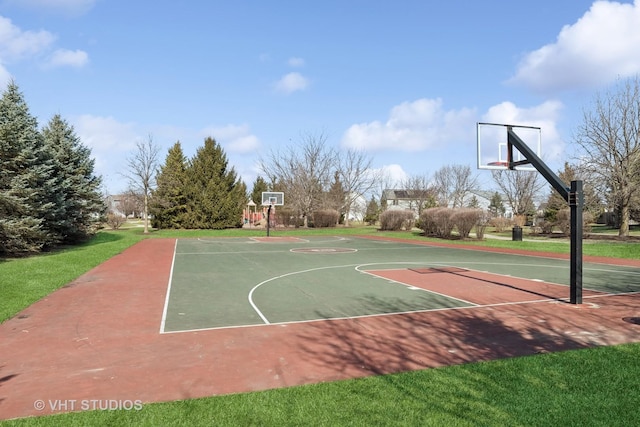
(624, 222)
(146, 214)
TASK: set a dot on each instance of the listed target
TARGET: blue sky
(404, 80)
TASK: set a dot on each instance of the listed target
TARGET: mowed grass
(612, 249)
(24, 281)
(586, 387)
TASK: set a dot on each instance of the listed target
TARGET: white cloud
(5, 77)
(16, 43)
(544, 116)
(296, 62)
(105, 133)
(600, 47)
(291, 82)
(234, 138)
(392, 174)
(71, 58)
(412, 126)
(66, 7)
(111, 142)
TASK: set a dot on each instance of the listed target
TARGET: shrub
(427, 222)
(519, 220)
(326, 218)
(115, 221)
(464, 220)
(587, 221)
(437, 222)
(395, 220)
(563, 221)
(287, 217)
(545, 225)
(500, 223)
(481, 224)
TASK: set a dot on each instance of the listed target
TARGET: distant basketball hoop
(271, 199)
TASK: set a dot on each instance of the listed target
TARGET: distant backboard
(493, 149)
(272, 198)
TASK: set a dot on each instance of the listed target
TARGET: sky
(404, 81)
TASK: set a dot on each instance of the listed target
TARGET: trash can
(516, 234)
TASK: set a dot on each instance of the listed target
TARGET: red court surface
(477, 287)
(98, 339)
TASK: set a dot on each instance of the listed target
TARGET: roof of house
(396, 194)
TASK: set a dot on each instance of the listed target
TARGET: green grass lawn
(594, 387)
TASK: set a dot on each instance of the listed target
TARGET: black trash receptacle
(516, 234)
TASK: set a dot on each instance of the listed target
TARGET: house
(406, 199)
(411, 199)
(113, 203)
(483, 200)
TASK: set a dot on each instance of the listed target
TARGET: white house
(484, 201)
(408, 199)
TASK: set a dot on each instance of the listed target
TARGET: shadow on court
(396, 343)
(399, 343)
(5, 379)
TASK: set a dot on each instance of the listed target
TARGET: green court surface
(234, 282)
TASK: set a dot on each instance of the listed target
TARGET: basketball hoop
(496, 155)
(271, 199)
(499, 163)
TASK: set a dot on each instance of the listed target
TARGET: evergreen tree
(473, 203)
(25, 178)
(169, 200)
(216, 197)
(555, 202)
(496, 207)
(78, 202)
(372, 213)
(259, 186)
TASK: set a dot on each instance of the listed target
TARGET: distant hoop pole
(271, 199)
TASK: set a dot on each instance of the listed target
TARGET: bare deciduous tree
(610, 138)
(304, 171)
(420, 192)
(357, 177)
(131, 203)
(384, 182)
(520, 188)
(452, 183)
(142, 168)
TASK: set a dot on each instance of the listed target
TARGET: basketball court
(236, 282)
(176, 319)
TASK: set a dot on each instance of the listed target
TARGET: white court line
(233, 252)
(408, 285)
(166, 298)
(255, 307)
(226, 240)
(273, 252)
(363, 316)
(298, 240)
